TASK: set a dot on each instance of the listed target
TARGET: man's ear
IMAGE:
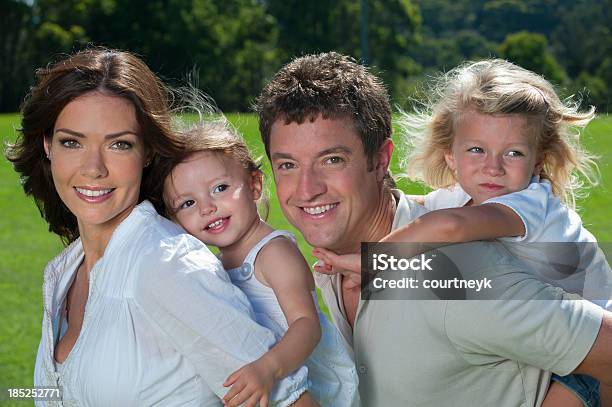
(256, 184)
(382, 159)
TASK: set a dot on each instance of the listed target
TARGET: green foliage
(235, 46)
(530, 51)
(593, 91)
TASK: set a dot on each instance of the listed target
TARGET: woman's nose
(93, 165)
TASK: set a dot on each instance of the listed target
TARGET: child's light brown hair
(498, 87)
(217, 136)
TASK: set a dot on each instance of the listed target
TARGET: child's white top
(579, 268)
(332, 377)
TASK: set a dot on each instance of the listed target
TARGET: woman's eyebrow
(107, 137)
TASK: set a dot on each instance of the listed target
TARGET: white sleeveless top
(332, 377)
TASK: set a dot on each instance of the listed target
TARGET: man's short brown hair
(333, 86)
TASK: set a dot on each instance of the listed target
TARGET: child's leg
(572, 391)
(560, 396)
(606, 395)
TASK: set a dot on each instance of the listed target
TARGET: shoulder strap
(250, 258)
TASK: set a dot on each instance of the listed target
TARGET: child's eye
(334, 160)
(121, 145)
(286, 166)
(476, 150)
(69, 143)
(220, 188)
(515, 153)
(188, 203)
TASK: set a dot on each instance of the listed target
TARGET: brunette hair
(333, 86)
(498, 87)
(109, 72)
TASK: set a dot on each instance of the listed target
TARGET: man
(326, 125)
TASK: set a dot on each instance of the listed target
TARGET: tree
(14, 21)
(530, 51)
(326, 25)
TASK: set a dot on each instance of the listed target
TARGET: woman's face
(97, 157)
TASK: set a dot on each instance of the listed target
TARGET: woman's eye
(220, 188)
(334, 160)
(121, 145)
(515, 153)
(187, 204)
(286, 166)
(476, 150)
(70, 143)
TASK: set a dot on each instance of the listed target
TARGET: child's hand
(349, 265)
(251, 384)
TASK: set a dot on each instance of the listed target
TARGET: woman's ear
(382, 159)
(256, 184)
(46, 145)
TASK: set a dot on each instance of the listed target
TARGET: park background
(230, 49)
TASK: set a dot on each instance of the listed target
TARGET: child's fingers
(231, 378)
(263, 402)
(240, 398)
(252, 401)
(321, 267)
(325, 270)
(233, 392)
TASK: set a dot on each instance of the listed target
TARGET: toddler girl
(496, 140)
(212, 191)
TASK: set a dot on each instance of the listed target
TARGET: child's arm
(453, 225)
(466, 224)
(420, 199)
(286, 272)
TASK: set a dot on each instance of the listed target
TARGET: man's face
(323, 183)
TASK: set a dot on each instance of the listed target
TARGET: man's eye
(476, 150)
(220, 188)
(286, 166)
(70, 143)
(515, 153)
(121, 145)
(187, 204)
(334, 160)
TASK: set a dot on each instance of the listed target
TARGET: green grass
(26, 245)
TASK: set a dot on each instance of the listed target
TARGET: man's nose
(93, 165)
(310, 185)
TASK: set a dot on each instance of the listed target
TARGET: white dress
(163, 324)
(556, 246)
(332, 377)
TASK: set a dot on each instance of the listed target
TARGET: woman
(135, 311)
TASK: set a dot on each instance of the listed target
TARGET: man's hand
(349, 265)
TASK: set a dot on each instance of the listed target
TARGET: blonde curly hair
(498, 87)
